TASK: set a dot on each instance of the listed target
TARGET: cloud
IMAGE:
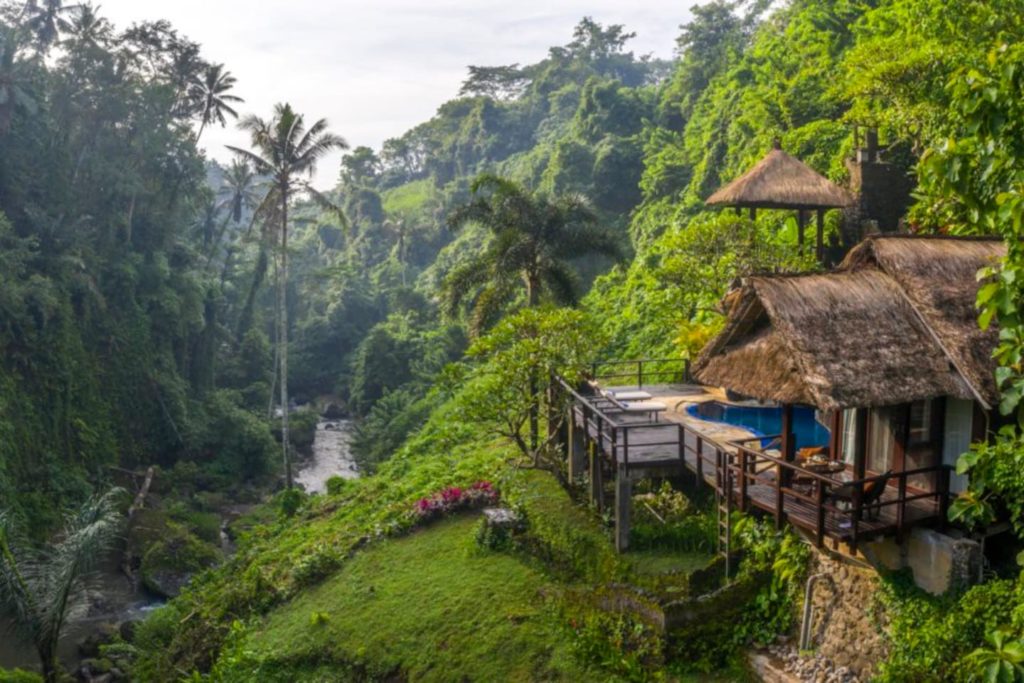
(374, 70)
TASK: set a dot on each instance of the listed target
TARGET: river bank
(115, 601)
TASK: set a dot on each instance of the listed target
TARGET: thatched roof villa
(895, 323)
(887, 348)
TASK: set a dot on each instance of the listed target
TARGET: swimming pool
(764, 420)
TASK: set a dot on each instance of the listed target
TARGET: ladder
(723, 507)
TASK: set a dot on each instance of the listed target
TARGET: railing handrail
(638, 365)
(634, 361)
(810, 474)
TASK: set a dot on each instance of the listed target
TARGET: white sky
(375, 69)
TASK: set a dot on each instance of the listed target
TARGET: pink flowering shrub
(453, 498)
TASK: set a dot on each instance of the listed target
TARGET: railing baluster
(625, 447)
(901, 503)
(819, 535)
(743, 479)
(858, 512)
(700, 459)
(779, 497)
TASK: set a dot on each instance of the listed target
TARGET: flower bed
(454, 499)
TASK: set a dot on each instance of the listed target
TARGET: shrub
(336, 485)
(19, 676)
(289, 501)
(453, 499)
(929, 634)
(616, 631)
(302, 429)
(316, 565)
(171, 561)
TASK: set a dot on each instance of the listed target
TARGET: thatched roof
(895, 323)
(780, 181)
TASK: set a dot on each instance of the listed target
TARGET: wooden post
(700, 460)
(788, 446)
(943, 476)
(801, 224)
(857, 515)
(819, 535)
(835, 437)
(596, 480)
(789, 455)
(860, 440)
(577, 448)
(623, 505)
(743, 479)
(753, 213)
(821, 236)
(901, 506)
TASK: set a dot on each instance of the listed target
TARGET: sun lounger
(627, 395)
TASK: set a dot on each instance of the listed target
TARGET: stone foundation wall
(846, 625)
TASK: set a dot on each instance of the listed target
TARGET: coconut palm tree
(40, 589)
(211, 91)
(532, 238)
(47, 19)
(243, 189)
(286, 151)
(89, 29)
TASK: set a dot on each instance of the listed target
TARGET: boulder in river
(334, 411)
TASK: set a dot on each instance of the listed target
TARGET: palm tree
(242, 191)
(47, 19)
(14, 80)
(210, 91)
(284, 150)
(89, 29)
(532, 239)
(42, 588)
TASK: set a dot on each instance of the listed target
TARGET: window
(920, 431)
(849, 439)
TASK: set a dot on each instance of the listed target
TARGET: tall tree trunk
(282, 335)
(532, 300)
(277, 348)
(48, 663)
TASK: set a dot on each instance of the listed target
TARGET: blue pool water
(764, 420)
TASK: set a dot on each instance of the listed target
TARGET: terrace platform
(601, 443)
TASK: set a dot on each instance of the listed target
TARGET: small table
(826, 469)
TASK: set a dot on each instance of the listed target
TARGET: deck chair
(870, 495)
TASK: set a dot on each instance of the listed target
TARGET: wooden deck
(635, 446)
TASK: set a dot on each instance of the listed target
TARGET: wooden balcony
(600, 441)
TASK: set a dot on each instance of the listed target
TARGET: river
(331, 456)
(113, 598)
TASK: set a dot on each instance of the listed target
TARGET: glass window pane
(920, 422)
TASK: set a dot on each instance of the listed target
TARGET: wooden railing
(732, 468)
(611, 436)
(750, 467)
(638, 372)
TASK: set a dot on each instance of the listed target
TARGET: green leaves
(1002, 661)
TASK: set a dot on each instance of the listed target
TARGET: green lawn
(399, 604)
(656, 562)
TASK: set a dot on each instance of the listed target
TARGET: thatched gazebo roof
(896, 323)
(780, 181)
